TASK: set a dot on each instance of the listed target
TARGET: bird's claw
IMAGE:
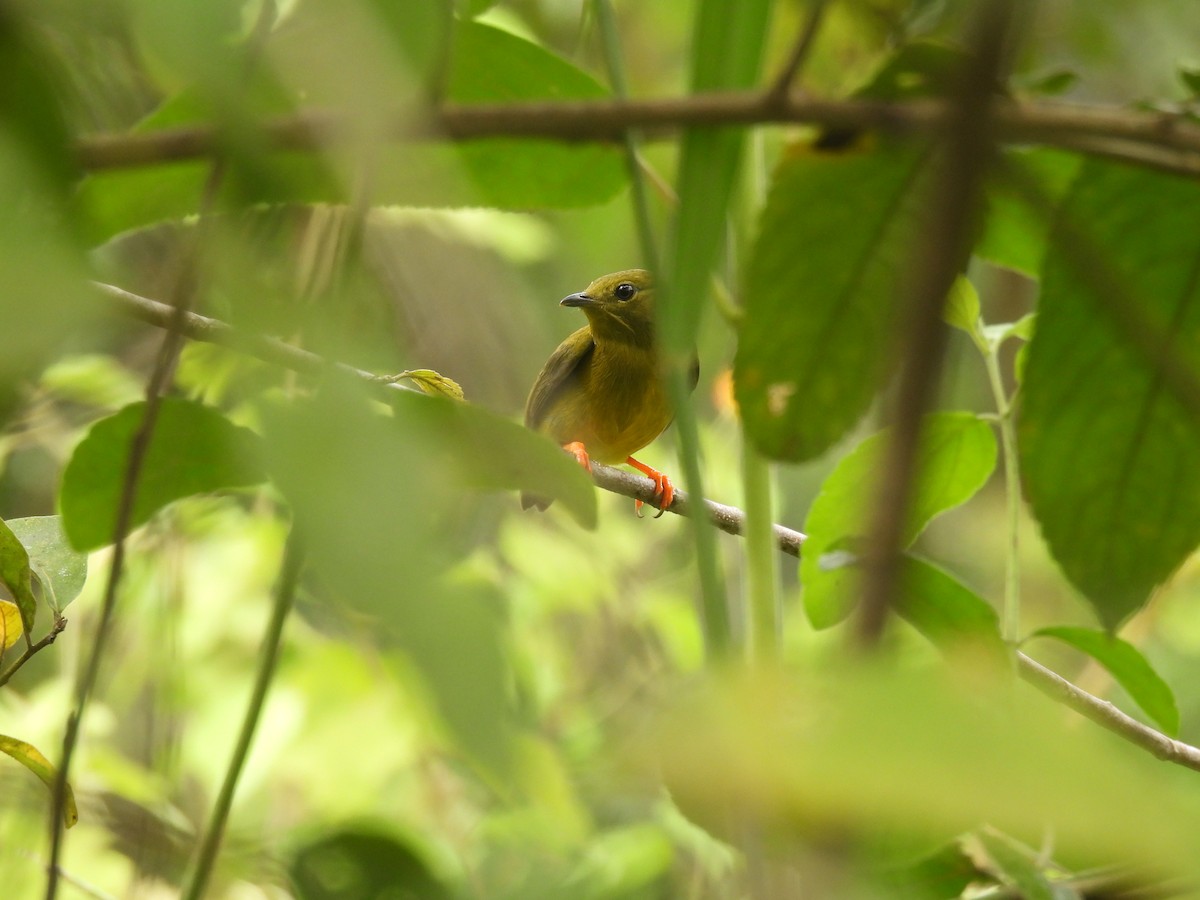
(664, 491)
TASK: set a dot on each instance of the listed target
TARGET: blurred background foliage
(472, 701)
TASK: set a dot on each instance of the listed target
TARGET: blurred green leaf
(952, 616)
(487, 66)
(859, 752)
(362, 862)
(1108, 453)
(31, 758)
(15, 574)
(1053, 83)
(1190, 76)
(385, 507)
(193, 450)
(821, 294)
(957, 455)
(1015, 234)
(60, 568)
(1128, 666)
(1023, 328)
(945, 873)
(1015, 866)
(622, 863)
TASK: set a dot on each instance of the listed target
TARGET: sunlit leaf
(1108, 451)
(32, 759)
(1128, 666)
(823, 284)
(956, 456)
(962, 307)
(950, 614)
(11, 627)
(193, 450)
(60, 568)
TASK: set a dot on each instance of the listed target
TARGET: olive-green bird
(600, 394)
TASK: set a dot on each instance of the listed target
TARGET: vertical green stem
(761, 571)
(1012, 489)
(285, 593)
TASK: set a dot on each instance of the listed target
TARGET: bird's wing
(558, 371)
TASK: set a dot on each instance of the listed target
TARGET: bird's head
(619, 307)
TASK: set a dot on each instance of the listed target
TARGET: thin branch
(1106, 715)
(1130, 133)
(804, 43)
(729, 519)
(51, 636)
(285, 593)
(964, 156)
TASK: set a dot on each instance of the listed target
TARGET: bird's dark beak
(580, 299)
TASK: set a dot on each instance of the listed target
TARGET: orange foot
(664, 491)
(577, 450)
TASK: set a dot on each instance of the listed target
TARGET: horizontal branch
(1106, 715)
(1116, 132)
(729, 519)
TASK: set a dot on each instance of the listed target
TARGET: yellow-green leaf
(31, 758)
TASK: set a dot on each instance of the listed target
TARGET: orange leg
(663, 489)
(577, 450)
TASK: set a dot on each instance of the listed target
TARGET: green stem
(285, 592)
(761, 571)
(1012, 491)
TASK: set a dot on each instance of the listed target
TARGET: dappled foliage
(274, 279)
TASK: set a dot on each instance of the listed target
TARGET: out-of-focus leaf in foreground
(31, 758)
(361, 861)
(881, 753)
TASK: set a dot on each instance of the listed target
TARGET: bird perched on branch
(600, 394)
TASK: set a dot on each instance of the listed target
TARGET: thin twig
(285, 593)
(804, 43)
(51, 636)
(1056, 124)
(965, 155)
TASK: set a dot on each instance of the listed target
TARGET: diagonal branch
(727, 518)
(1160, 139)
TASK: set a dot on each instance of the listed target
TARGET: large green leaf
(359, 861)
(60, 568)
(193, 450)
(822, 288)
(1108, 450)
(956, 456)
(1128, 666)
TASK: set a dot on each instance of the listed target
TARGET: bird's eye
(625, 291)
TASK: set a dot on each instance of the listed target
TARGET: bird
(600, 395)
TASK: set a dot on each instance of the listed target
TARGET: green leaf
(60, 569)
(821, 294)
(952, 616)
(1015, 234)
(956, 456)
(1108, 452)
(1015, 866)
(1053, 83)
(962, 308)
(15, 574)
(32, 759)
(1000, 332)
(193, 450)
(1128, 666)
(359, 861)
(1190, 76)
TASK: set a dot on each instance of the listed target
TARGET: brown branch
(964, 155)
(1130, 132)
(1106, 715)
(51, 636)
